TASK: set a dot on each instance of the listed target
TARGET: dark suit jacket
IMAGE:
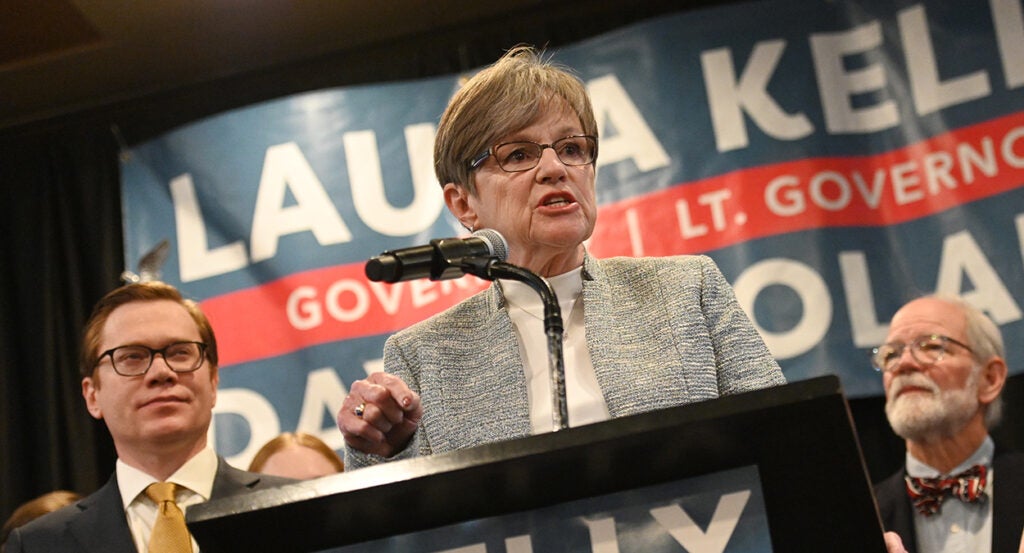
(1007, 509)
(97, 523)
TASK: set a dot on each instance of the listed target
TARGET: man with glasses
(943, 371)
(149, 370)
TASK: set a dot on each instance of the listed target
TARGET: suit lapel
(603, 343)
(231, 481)
(614, 356)
(102, 526)
(491, 363)
(903, 517)
(1007, 507)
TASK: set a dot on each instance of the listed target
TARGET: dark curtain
(61, 251)
(62, 240)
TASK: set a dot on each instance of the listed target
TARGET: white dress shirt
(195, 479)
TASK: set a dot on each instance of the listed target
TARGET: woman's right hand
(380, 415)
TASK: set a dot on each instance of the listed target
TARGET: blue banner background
(659, 66)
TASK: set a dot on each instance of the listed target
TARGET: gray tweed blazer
(662, 331)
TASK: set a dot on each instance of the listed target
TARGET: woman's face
(544, 213)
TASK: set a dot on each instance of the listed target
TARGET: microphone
(441, 259)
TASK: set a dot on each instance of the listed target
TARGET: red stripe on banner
(923, 179)
(321, 306)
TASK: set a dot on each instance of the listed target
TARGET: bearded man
(943, 371)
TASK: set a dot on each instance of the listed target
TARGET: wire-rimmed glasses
(926, 349)
(524, 155)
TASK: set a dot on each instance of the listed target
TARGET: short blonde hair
(303, 439)
(31, 510)
(501, 99)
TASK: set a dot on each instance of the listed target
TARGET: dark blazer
(1007, 509)
(97, 523)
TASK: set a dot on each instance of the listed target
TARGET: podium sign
(721, 512)
(771, 470)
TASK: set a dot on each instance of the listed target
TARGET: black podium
(792, 450)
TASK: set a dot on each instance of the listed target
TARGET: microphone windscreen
(495, 242)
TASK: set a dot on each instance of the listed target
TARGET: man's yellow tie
(170, 535)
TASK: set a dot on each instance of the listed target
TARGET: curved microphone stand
(490, 268)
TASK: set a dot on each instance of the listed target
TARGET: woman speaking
(516, 150)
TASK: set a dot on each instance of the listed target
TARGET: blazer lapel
(231, 481)
(102, 526)
(485, 394)
(607, 353)
(615, 357)
(896, 510)
(1007, 507)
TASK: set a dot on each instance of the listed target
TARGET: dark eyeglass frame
(915, 349)
(152, 355)
(476, 162)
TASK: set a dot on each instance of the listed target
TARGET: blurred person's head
(35, 508)
(297, 455)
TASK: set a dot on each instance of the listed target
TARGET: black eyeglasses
(181, 357)
(524, 155)
(926, 350)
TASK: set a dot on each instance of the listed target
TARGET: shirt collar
(567, 286)
(196, 474)
(981, 456)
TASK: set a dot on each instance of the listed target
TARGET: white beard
(921, 416)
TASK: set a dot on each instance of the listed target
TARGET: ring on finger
(360, 409)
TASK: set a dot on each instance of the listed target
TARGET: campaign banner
(836, 159)
(721, 512)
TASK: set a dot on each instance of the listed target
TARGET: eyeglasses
(926, 350)
(523, 156)
(181, 357)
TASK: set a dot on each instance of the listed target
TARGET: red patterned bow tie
(927, 494)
